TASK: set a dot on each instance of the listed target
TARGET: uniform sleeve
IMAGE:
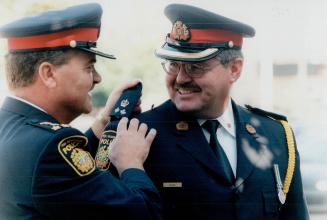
(68, 186)
(295, 206)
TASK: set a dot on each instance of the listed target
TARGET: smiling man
(213, 159)
(47, 170)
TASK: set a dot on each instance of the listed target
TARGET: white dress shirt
(226, 134)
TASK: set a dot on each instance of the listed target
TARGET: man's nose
(182, 76)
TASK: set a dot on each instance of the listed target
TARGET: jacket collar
(193, 141)
(22, 108)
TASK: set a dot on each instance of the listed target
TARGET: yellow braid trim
(291, 156)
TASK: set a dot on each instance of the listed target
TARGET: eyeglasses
(194, 70)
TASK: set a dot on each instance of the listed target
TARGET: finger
(137, 109)
(143, 128)
(151, 135)
(122, 125)
(133, 124)
(126, 85)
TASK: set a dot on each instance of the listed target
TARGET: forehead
(83, 56)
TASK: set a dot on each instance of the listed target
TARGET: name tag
(172, 184)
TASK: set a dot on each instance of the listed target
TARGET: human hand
(131, 146)
(103, 117)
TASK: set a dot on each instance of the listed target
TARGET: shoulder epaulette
(48, 125)
(266, 113)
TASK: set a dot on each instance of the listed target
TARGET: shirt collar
(226, 120)
(27, 102)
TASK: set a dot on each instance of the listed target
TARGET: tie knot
(211, 126)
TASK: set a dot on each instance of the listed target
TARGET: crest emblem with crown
(124, 103)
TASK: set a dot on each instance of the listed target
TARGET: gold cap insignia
(180, 31)
(250, 129)
(117, 109)
(81, 161)
(124, 103)
(182, 126)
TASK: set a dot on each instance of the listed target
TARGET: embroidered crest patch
(102, 157)
(71, 149)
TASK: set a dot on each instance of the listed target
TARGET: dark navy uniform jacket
(185, 171)
(46, 172)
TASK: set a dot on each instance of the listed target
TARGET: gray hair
(226, 56)
(21, 67)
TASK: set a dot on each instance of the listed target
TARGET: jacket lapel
(250, 147)
(193, 141)
(18, 107)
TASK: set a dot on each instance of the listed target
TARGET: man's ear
(236, 67)
(46, 74)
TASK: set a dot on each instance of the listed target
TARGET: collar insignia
(124, 103)
(182, 126)
(250, 129)
(180, 32)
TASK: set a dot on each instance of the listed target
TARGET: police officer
(47, 170)
(211, 158)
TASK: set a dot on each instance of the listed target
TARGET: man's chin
(88, 109)
(185, 107)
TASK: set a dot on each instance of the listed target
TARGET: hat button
(230, 44)
(72, 43)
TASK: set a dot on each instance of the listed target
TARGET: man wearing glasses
(213, 159)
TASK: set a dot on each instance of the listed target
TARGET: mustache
(191, 86)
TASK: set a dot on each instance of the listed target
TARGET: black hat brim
(97, 53)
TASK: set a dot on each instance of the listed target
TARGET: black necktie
(211, 126)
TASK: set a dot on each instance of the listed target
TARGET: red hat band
(209, 36)
(57, 39)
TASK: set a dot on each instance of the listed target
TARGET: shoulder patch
(271, 115)
(71, 149)
(48, 125)
(102, 158)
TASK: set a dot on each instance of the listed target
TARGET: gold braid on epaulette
(291, 155)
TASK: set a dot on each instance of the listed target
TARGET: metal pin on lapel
(182, 126)
(279, 185)
(250, 129)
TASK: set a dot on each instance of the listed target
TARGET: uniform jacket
(47, 172)
(185, 171)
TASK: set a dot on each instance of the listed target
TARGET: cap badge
(250, 129)
(182, 126)
(180, 31)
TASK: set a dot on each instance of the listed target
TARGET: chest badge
(250, 129)
(182, 126)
